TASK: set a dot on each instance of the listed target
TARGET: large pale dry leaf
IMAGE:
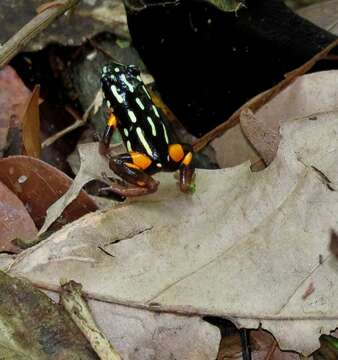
(246, 246)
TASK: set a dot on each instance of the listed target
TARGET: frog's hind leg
(130, 167)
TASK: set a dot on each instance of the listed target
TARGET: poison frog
(150, 143)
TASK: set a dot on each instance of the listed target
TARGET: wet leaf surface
(38, 185)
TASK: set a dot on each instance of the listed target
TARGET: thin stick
(33, 28)
(78, 123)
(260, 100)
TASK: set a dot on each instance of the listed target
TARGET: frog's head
(118, 80)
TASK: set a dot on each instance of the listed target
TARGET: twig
(33, 28)
(78, 123)
(261, 99)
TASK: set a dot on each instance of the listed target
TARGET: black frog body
(150, 143)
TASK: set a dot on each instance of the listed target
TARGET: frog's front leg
(130, 167)
(107, 135)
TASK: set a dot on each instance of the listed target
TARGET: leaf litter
(244, 247)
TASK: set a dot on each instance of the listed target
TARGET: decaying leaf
(31, 126)
(15, 221)
(33, 327)
(38, 185)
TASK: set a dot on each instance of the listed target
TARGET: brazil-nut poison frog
(149, 141)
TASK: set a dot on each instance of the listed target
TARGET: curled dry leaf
(92, 167)
(38, 185)
(31, 126)
(265, 142)
(13, 99)
(15, 222)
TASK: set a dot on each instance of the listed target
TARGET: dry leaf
(13, 99)
(265, 142)
(15, 221)
(312, 96)
(92, 167)
(38, 185)
(31, 126)
(263, 346)
(143, 335)
(245, 246)
(233, 148)
(323, 14)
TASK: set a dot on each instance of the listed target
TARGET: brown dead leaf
(265, 140)
(263, 347)
(31, 126)
(13, 98)
(38, 185)
(15, 221)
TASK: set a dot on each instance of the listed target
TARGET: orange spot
(112, 121)
(176, 152)
(187, 159)
(132, 166)
(141, 183)
(140, 160)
